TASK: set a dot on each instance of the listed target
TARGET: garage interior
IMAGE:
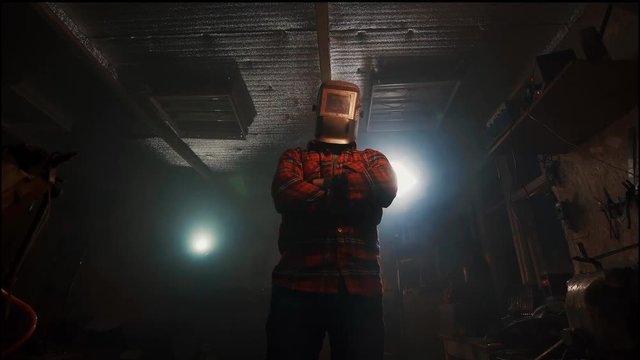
(516, 236)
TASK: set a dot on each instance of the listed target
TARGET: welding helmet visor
(338, 112)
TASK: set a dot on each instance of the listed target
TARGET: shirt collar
(316, 145)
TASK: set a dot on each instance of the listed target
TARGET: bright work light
(202, 242)
(406, 179)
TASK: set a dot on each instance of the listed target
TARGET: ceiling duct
(412, 94)
(198, 98)
(410, 106)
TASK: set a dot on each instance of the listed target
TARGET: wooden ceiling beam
(100, 64)
(322, 26)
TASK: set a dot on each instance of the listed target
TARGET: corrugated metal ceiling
(275, 46)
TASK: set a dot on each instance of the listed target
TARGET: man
(331, 197)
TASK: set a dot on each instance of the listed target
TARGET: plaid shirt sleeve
(375, 182)
(290, 191)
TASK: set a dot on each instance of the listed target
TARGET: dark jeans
(298, 322)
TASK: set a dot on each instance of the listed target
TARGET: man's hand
(335, 184)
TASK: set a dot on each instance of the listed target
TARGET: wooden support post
(527, 271)
(322, 24)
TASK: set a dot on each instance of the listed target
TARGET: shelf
(583, 99)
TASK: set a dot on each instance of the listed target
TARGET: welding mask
(338, 112)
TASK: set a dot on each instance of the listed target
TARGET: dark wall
(115, 251)
(114, 256)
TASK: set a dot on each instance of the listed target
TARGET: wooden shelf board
(582, 100)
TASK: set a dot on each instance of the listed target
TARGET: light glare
(406, 179)
(201, 243)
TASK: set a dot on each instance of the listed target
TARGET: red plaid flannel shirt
(327, 234)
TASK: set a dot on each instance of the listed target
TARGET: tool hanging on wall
(615, 211)
(585, 258)
(611, 210)
(629, 196)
